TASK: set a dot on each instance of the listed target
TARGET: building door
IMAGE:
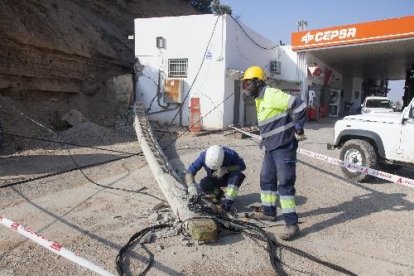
(236, 106)
(250, 114)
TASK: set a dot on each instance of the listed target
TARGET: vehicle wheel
(359, 152)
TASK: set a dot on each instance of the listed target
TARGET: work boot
(262, 216)
(290, 232)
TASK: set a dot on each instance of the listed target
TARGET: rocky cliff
(58, 55)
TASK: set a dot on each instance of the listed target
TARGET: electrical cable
(66, 143)
(198, 72)
(196, 76)
(74, 161)
(251, 39)
(157, 94)
(257, 44)
(121, 258)
(248, 228)
(201, 118)
(159, 91)
(259, 233)
(150, 104)
(139, 191)
(71, 169)
(254, 230)
(66, 171)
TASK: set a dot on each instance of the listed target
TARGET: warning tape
(52, 246)
(366, 170)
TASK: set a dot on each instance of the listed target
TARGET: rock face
(73, 117)
(58, 55)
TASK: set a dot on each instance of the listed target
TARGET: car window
(378, 104)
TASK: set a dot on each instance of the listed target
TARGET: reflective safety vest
(277, 114)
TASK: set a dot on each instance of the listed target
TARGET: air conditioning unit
(173, 90)
(275, 67)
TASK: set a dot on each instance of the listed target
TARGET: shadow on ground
(359, 206)
(244, 201)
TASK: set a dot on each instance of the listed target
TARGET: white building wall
(289, 60)
(244, 48)
(233, 48)
(186, 37)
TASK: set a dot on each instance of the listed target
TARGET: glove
(220, 172)
(193, 190)
(226, 204)
(300, 137)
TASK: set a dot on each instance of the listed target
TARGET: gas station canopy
(378, 49)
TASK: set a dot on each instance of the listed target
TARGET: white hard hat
(214, 157)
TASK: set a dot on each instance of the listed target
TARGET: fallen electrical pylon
(169, 182)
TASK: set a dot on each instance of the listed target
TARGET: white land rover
(376, 139)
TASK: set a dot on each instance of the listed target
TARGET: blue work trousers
(277, 178)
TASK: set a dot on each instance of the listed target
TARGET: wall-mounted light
(160, 42)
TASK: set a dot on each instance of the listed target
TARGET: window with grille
(275, 67)
(177, 67)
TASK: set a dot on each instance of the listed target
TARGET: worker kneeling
(224, 169)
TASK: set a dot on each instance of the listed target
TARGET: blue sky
(277, 19)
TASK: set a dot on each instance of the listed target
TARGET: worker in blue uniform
(224, 169)
(281, 119)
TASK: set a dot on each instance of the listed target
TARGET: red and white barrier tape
(366, 170)
(52, 246)
(380, 174)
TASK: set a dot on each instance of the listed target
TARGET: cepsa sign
(394, 28)
(329, 35)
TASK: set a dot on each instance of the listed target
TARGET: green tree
(219, 8)
(210, 6)
(203, 6)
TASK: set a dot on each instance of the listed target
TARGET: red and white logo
(329, 35)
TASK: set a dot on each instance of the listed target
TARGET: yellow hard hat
(254, 72)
